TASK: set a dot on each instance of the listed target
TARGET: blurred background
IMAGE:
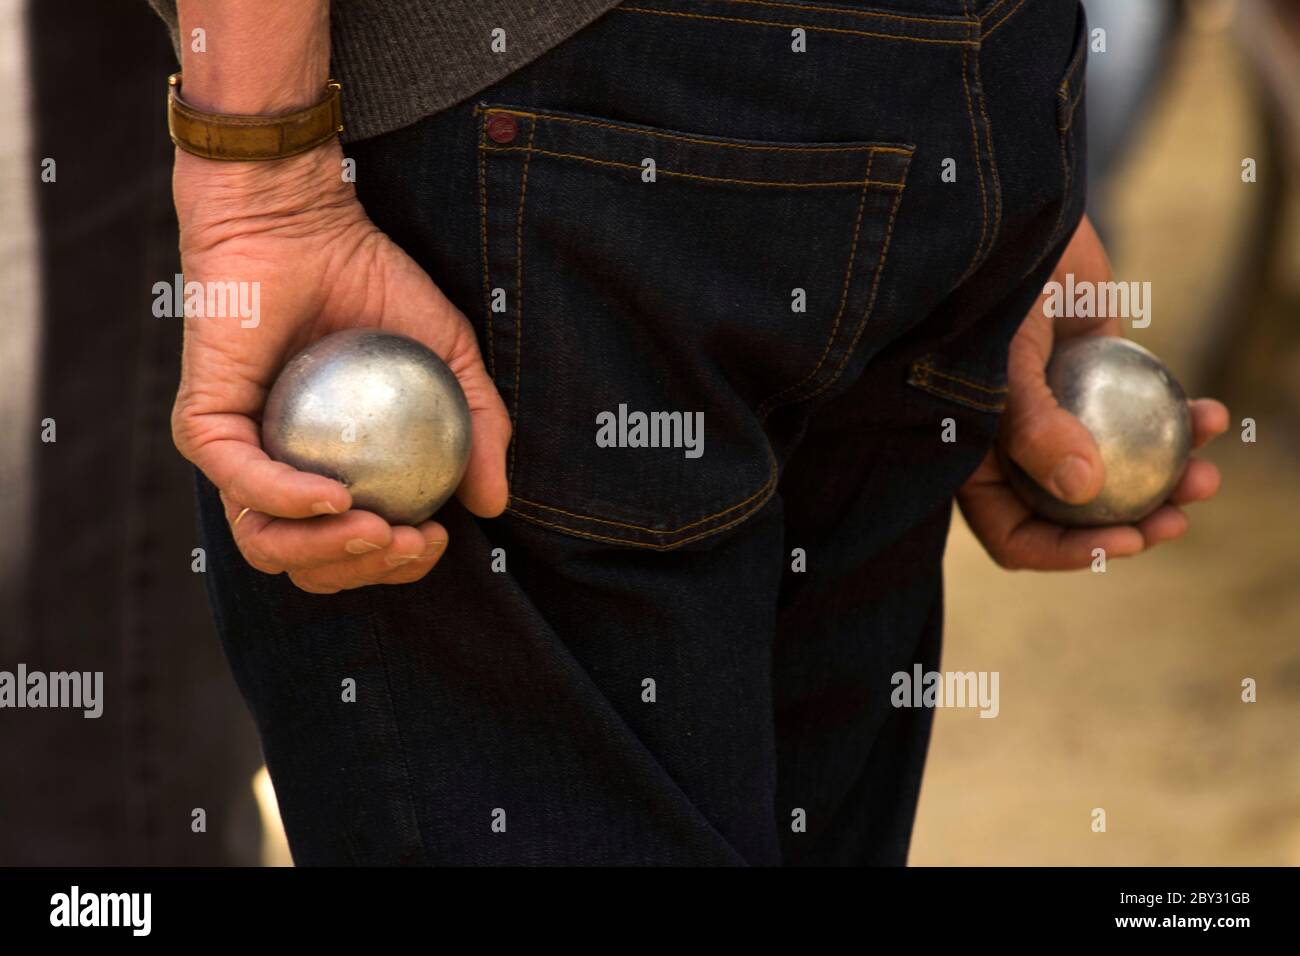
(97, 527)
(1119, 691)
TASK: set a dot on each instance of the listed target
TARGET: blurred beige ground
(1123, 690)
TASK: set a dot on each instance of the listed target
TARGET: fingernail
(361, 546)
(433, 547)
(1072, 478)
(323, 508)
(397, 560)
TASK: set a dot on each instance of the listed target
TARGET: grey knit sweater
(400, 60)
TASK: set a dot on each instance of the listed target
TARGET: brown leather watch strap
(252, 138)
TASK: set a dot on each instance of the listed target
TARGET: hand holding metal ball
(378, 412)
(1138, 415)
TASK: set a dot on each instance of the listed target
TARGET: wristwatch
(231, 137)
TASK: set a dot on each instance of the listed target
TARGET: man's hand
(296, 228)
(1058, 452)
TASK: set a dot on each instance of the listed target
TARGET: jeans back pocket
(651, 296)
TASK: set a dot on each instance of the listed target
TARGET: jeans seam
(660, 134)
(771, 478)
(483, 246)
(659, 170)
(871, 301)
(795, 26)
(1009, 14)
(766, 406)
(763, 493)
(519, 297)
(925, 366)
(1071, 106)
(979, 171)
(992, 152)
(869, 14)
(921, 376)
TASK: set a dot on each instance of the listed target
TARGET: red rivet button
(502, 128)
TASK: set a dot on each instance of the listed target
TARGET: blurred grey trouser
(98, 527)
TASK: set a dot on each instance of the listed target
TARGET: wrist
(230, 194)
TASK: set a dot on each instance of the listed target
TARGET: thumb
(1053, 447)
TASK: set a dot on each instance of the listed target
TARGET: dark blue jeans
(686, 656)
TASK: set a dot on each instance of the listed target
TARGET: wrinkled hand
(297, 229)
(1058, 452)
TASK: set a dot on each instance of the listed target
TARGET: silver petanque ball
(1138, 414)
(380, 413)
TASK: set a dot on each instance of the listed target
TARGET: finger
(410, 556)
(1016, 539)
(1039, 545)
(1164, 524)
(239, 467)
(290, 544)
(408, 545)
(1199, 482)
(414, 570)
(363, 572)
(1209, 420)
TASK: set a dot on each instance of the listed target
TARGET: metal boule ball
(1138, 414)
(380, 413)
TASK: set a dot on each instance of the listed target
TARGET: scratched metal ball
(380, 413)
(1138, 414)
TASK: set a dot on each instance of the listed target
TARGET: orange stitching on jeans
(993, 158)
(1070, 122)
(1068, 177)
(550, 117)
(778, 183)
(644, 544)
(930, 369)
(989, 12)
(1071, 108)
(487, 285)
(814, 8)
(770, 402)
(771, 480)
(871, 302)
(979, 173)
(793, 26)
(1010, 13)
(1080, 58)
(963, 399)
(519, 296)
